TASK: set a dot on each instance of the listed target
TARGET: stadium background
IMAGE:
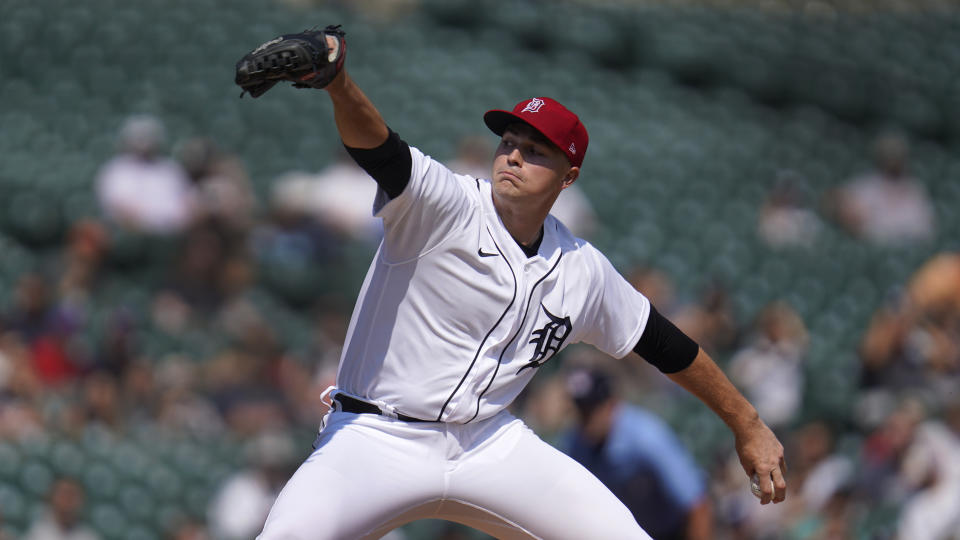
(694, 109)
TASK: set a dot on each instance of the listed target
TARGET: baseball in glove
(305, 59)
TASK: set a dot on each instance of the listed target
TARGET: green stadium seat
(108, 520)
(136, 503)
(140, 531)
(67, 459)
(36, 477)
(460, 14)
(163, 482)
(167, 516)
(14, 505)
(100, 481)
(11, 459)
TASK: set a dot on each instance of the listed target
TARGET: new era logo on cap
(549, 117)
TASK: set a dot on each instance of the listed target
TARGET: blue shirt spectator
(639, 458)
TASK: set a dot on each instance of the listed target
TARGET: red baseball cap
(550, 118)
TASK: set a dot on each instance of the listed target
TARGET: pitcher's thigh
(533, 485)
(357, 480)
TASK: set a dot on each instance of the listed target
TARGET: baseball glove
(304, 59)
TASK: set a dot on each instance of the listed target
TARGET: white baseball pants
(370, 474)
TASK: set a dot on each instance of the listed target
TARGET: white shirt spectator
(770, 375)
(888, 206)
(141, 190)
(890, 210)
(151, 196)
(339, 196)
(47, 528)
(932, 464)
(241, 506)
(769, 368)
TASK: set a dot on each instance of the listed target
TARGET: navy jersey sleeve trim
(389, 164)
(664, 345)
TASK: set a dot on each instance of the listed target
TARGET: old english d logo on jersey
(548, 339)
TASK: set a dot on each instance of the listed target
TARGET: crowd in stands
(199, 247)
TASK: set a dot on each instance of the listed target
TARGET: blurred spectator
(304, 379)
(33, 313)
(94, 403)
(913, 340)
(224, 192)
(117, 347)
(572, 207)
(293, 248)
(240, 506)
(62, 521)
(786, 219)
(931, 471)
(657, 286)
(45, 329)
(190, 530)
(821, 505)
(20, 390)
(101, 401)
(935, 288)
(141, 190)
(898, 354)
(883, 353)
(245, 390)
(887, 206)
(196, 275)
(472, 156)
(6, 360)
(879, 478)
(769, 369)
(639, 458)
(817, 468)
(82, 262)
(339, 197)
(331, 323)
(710, 320)
(545, 404)
(5, 533)
(933, 294)
(139, 394)
(183, 407)
(574, 210)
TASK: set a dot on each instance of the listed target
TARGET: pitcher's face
(526, 164)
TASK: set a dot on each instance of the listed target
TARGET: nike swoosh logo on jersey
(482, 254)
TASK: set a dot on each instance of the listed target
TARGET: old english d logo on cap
(533, 105)
(554, 121)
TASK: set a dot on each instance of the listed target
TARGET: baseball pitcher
(474, 287)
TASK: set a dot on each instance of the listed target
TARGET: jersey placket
(529, 273)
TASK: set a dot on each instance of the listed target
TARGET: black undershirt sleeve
(389, 164)
(664, 345)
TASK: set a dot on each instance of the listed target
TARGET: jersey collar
(502, 243)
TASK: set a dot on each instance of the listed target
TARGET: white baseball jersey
(453, 319)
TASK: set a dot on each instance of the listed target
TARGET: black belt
(354, 405)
